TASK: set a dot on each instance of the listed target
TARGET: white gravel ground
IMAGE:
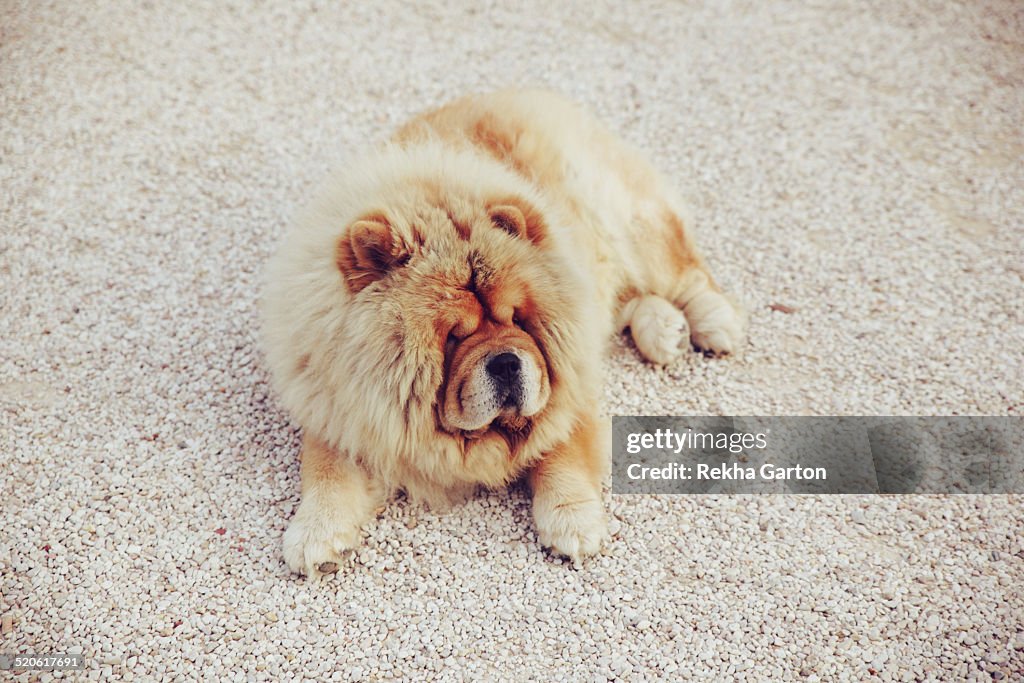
(861, 163)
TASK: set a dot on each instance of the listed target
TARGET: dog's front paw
(717, 323)
(659, 329)
(573, 528)
(319, 538)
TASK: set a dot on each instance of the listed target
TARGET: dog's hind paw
(718, 323)
(659, 329)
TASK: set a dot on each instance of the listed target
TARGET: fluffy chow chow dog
(436, 320)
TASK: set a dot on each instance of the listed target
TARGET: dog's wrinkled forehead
(482, 272)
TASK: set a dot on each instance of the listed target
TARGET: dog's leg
(337, 499)
(566, 485)
(717, 322)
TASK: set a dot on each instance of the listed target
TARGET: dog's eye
(458, 332)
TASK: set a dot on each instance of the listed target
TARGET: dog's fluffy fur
(436, 320)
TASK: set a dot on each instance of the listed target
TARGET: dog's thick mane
(362, 383)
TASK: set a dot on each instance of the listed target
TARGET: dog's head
(428, 315)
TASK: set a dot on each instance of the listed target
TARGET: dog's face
(468, 287)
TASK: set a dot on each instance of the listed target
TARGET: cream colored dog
(436, 320)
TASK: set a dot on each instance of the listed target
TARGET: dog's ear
(367, 251)
(518, 218)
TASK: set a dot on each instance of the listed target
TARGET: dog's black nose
(504, 368)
